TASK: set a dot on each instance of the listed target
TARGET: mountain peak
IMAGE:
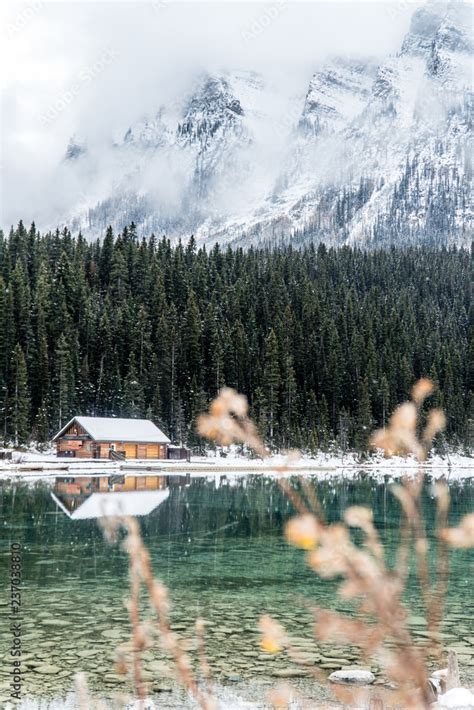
(380, 154)
(212, 108)
(75, 148)
(337, 93)
(443, 23)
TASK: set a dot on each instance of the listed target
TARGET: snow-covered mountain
(375, 153)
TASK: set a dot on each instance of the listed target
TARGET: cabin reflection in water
(82, 497)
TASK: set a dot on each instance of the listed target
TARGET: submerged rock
(159, 667)
(47, 669)
(55, 623)
(352, 677)
(331, 665)
(87, 653)
(114, 634)
(234, 677)
(162, 688)
(288, 673)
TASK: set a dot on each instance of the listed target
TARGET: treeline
(324, 342)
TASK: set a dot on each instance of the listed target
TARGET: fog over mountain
(342, 122)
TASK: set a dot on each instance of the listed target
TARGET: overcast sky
(92, 68)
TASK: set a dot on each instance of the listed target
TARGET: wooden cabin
(110, 437)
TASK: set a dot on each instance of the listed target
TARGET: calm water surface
(217, 544)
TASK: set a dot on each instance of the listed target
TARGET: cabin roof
(116, 429)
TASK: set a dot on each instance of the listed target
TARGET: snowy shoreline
(452, 467)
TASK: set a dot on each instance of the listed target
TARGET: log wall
(86, 448)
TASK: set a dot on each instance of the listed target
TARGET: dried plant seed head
(200, 626)
(292, 456)
(400, 437)
(160, 593)
(358, 517)
(406, 498)
(140, 639)
(273, 635)
(382, 439)
(421, 546)
(436, 422)
(462, 535)
(421, 389)
(404, 417)
(327, 563)
(228, 422)
(228, 401)
(82, 691)
(110, 527)
(281, 696)
(224, 429)
(441, 492)
(349, 589)
(303, 531)
(269, 645)
(121, 668)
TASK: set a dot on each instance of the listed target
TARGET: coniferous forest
(324, 342)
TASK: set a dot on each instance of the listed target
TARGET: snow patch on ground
(233, 463)
(451, 466)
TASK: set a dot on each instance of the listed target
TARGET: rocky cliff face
(375, 153)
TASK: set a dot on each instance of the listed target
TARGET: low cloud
(94, 69)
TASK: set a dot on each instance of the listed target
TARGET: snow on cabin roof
(121, 430)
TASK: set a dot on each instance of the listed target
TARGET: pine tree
(64, 386)
(191, 338)
(134, 402)
(323, 426)
(289, 403)
(19, 405)
(271, 383)
(42, 425)
(106, 256)
(363, 420)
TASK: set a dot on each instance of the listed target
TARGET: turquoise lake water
(217, 544)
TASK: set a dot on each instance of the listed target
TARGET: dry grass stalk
(83, 698)
(82, 692)
(132, 547)
(283, 695)
(141, 574)
(400, 437)
(462, 535)
(452, 680)
(436, 607)
(205, 667)
(228, 422)
(374, 588)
